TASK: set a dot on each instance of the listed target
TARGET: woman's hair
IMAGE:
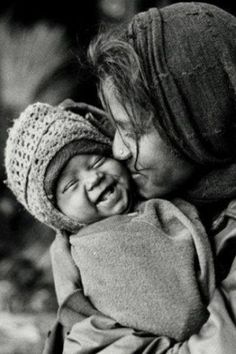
(112, 58)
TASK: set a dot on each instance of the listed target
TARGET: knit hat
(188, 55)
(40, 143)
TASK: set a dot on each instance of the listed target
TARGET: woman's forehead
(123, 113)
(119, 113)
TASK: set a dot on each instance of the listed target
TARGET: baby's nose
(92, 179)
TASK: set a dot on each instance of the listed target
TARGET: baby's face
(93, 187)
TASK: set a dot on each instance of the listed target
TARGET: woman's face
(156, 170)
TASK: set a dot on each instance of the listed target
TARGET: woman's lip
(136, 175)
(139, 178)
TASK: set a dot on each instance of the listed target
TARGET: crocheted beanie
(41, 136)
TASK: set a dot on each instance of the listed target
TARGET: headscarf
(188, 54)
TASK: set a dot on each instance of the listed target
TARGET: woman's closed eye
(130, 134)
(127, 134)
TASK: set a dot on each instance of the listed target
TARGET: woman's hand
(81, 108)
(97, 116)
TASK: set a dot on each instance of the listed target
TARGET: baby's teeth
(106, 195)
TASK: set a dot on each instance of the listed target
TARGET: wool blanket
(151, 270)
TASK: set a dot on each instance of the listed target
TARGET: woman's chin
(149, 191)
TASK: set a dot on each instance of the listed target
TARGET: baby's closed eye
(70, 185)
(99, 160)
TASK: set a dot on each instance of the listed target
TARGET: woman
(169, 82)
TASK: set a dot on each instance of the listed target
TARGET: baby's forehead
(78, 161)
(84, 161)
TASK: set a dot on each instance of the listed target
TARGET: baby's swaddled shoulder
(109, 225)
(153, 214)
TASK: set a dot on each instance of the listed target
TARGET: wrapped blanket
(151, 270)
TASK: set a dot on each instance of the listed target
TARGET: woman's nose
(92, 179)
(121, 150)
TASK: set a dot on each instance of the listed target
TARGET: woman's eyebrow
(122, 123)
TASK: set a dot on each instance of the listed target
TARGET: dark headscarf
(188, 54)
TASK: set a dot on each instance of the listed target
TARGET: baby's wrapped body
(151, 270)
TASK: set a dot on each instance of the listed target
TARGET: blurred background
(39, 47)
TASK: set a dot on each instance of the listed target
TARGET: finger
(68, 102)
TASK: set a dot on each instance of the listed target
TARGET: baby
(148, 265)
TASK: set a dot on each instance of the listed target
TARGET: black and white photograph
(118, 177)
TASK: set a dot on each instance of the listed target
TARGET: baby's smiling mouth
(106, 193)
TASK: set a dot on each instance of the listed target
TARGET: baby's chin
(129, 204)
(125, 205)
(122, 206)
